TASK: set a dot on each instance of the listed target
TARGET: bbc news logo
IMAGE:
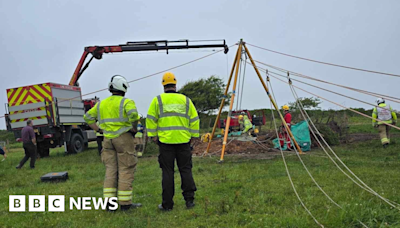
(56, 203)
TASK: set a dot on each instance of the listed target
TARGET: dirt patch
(362, 137)
(263, 144)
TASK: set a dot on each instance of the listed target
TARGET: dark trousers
(100, 143)
(30, 152)
(166, 158)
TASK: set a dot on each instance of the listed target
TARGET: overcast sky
(43, 40)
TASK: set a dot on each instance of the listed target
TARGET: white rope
(365, 187)
(288, 174)
(301, 160)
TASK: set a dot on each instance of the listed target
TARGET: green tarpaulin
(301, 134)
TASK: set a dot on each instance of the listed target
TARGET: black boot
(190, 204)
(385, 145)
(160, 206)
(111, 210)
(132, 206)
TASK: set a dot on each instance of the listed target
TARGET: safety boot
(110, 210)
(160, 206)
(132, 206)
(190, 204)
(385, 145)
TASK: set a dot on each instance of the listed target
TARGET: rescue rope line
(388, 109)
(138, 79)
(244, 76)
(305, 167)
(394, 99)
(326, 63)
(288, 174)
(239, 75)
(366, 187)
(350, 109)
(355, 111)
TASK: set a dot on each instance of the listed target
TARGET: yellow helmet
(168, 78)
(256, 131)
(240, 117)
(285, 107)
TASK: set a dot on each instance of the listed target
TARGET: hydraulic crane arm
(98, 51)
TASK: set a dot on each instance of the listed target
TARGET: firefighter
(288, 119)
(172, 122)
(384, 114)
(248, 126)
(117, 117)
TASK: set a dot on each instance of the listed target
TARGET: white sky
(42, 41)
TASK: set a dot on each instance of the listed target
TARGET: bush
(330, 136)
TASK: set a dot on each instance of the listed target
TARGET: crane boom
(98, 51)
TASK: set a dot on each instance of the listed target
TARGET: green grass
(238, 193)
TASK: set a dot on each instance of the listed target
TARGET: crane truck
(57, 110)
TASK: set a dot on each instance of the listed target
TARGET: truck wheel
(76, 145)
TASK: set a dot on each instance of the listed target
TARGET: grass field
(238, 193)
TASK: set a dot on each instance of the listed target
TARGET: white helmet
(118, 83)
(380, 100)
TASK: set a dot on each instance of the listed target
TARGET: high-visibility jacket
(173, 118)
(246, 123)
(115, 115)
(384, 114)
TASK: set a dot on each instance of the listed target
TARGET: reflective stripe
(172, 128)
(187, 106)
(109, 190)
(152, 118)
(120, 131)
(174, 114)
(109, 195)
(121, 108)
(131, 111)
(124, 198)
(98, 112)
(162, 114)
(194, 131)
(194, 119)
(113, 120)
(151, 130)
(160, 105)
(121, 117)
(89, 117)
(124, 193)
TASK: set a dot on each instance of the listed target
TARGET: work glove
(375, 125)
(100, 131)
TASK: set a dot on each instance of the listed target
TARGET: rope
(244, 76)
(290, 178)
(333, 92)
(298, 102)
(394, 99)
(330, 64)
(138, 79)
(362, 114)
(238, 89)
(366, 188)
(305, 167)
